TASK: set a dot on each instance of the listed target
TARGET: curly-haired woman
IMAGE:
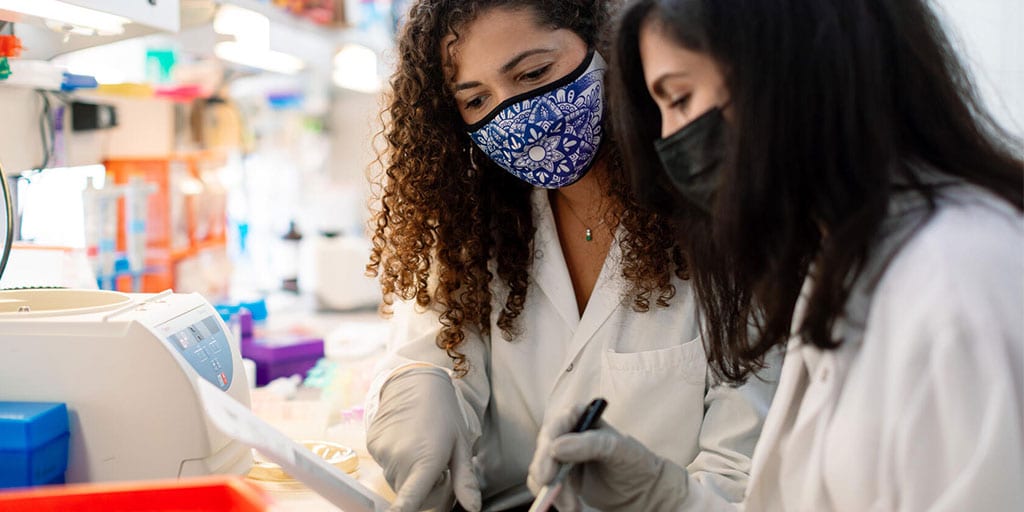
(529, 279)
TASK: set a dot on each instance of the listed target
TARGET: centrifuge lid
(46, 302)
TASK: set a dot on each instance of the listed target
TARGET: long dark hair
(833, 101)
(449, 220)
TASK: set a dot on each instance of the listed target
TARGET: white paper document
(334, 485)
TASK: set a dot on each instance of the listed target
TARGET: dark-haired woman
(537, 280)
(859, 203)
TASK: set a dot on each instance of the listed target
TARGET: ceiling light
(71, 17)
(355, 68)
(251, 46)
(255, 57)
(248, 27)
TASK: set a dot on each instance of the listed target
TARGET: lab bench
(354, 342)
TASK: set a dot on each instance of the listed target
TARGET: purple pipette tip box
(282, 356)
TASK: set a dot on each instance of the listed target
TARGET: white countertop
(352, 340)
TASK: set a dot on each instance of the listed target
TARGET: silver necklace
(588, 233)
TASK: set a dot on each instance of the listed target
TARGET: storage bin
(33, 443)
(207, 494)
(282, 356)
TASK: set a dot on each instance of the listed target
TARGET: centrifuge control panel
(202, 340)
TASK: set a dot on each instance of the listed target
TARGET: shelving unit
(186, 220)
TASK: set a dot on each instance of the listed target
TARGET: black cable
(9, 232)
(51, 123)
(45, 130)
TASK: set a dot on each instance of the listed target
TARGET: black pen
(548, 493)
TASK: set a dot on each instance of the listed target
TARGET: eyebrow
(659, 84)
(519, 58)
(467, 85)
(509, 66)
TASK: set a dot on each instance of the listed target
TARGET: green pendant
(590, 236)
(5, 68)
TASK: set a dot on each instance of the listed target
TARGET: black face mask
(692, 157)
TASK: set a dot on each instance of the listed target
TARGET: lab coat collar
(608, 295)
(550, 273)
(780, 417)
(552, 277)
(801, 359)
(808, 387)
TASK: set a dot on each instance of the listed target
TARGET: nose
(669, 125)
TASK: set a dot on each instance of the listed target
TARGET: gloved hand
(419, 438)
(614, 472)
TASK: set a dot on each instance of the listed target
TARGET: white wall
(354, 123)
(145, 129)
(20, 144)
(990, 33)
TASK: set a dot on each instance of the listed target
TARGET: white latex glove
(613, 472)
(419, 438)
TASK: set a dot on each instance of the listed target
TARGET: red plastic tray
(207, 494)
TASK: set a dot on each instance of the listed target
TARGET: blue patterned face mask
(548, 137)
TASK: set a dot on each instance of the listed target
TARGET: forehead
(662, 51)
(487, 41)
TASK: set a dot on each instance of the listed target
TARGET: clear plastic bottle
(289, 258)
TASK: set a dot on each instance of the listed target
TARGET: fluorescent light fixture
(248, 27)
(255, 57)
(72, 16)
(114, 63)
(355, 68)
(251, 46)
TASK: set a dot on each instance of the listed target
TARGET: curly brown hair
(448, 218)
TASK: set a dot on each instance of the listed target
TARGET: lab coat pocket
(685, 361)
(657, 396)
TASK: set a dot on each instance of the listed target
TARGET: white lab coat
(651, 368)
(921, 409)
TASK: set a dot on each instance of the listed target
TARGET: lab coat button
(569, 369)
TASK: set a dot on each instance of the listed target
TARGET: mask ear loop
(474, 168)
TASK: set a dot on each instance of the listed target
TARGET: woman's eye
(680, 102)
(475, 103)
(535, 74)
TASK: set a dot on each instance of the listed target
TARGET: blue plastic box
(33, 443)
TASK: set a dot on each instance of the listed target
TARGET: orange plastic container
(159, 222)
(178, 226)
(206, 494)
